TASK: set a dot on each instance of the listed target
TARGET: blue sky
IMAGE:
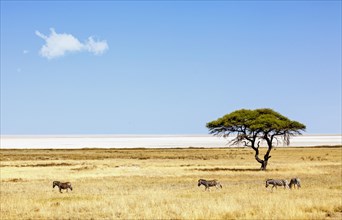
(167, 67)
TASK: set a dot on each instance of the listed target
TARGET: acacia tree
(253, 126)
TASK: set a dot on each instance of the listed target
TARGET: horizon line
(94, 135)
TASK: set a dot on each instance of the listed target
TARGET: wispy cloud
(57, 45)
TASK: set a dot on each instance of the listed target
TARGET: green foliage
(253, 124)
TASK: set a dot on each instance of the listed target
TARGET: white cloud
(25, 51)
(96, 47)
(57, 45)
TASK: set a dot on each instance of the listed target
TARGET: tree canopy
(252, 126)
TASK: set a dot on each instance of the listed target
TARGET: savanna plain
(162, 184)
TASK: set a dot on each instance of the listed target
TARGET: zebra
(276, 183)
(295, 182)
(61, 186)
(209, 183)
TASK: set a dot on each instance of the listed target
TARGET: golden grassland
(162, 184)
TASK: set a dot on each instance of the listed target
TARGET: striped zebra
(209, 183)
(276, 183)
(61, 186)
(295, 182)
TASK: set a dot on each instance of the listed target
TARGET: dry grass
(162, 184)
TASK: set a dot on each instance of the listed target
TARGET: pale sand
(144, 141)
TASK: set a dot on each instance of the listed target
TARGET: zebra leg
(272, 188)
(206, 187)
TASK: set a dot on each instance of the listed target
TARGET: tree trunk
(264, 164)
(265, 160)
